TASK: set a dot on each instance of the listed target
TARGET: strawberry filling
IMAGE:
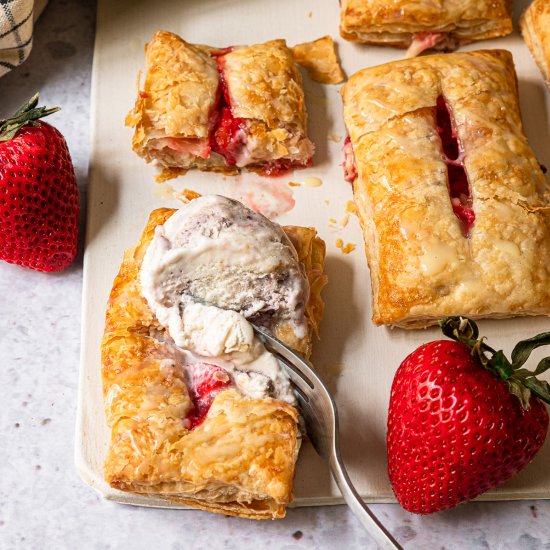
(229, 133)
(459, 188)
(350, 168)
(424, 41)
(198, 147)
(279, 167)
(205, 382)
(226, 138)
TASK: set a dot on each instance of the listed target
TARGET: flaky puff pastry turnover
(535, 28)
(200, 413)
(220, 109)
(453, 203)
(423, 24)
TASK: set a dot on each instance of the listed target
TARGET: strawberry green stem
(522, 383)
(26, 115)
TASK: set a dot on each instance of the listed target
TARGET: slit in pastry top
(212, 267)
(457, 178)
(229, 133)
(438, 144)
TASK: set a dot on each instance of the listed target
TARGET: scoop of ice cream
(207, 330)
(217, 250)
(211, 266)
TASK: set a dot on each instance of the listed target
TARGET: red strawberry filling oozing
(280, 167)
(350, 168)
(205, 382)
(228, 134)
(424, 41)
(459, 188)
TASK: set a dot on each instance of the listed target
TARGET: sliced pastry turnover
(199, 429)
(220, 109)
(424, 24)
(453, 203)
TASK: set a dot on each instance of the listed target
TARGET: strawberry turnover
(220, 109)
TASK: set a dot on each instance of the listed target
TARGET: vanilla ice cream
(213, 265)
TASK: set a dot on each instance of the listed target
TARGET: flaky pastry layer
(394, 23)
(535, 28)
(422, 265)
(240, 461)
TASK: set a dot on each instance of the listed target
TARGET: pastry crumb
(169, 173)
(164, 190)
(319, 59)
(187, 195)
(326, 201)
(309, 13)
(344, 248)
(335, 138)
(344, 221)
(348, 248)
(332, 221)
(351, 208)
(294, 184)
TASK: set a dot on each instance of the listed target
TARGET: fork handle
(362, 512)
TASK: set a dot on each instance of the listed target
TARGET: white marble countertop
(43, 502)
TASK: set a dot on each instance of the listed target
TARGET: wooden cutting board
(356, 358)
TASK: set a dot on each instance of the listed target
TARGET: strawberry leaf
(465, 330)
(523, 349)
(461, 329)
(543, 366)
(540, 388)
(523, 393)
(501, 365)
(521, 382)
(30, 104)
(26, 115)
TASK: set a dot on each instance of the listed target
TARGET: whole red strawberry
(462, 418)
(39, 206)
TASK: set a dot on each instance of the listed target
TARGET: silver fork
(321, 417)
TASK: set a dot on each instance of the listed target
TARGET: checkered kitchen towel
(16, 26)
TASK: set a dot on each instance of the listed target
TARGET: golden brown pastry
(453, 203)
(215, 109)
(535, 28)
(319, 59)
(192, 423)
(423, 24)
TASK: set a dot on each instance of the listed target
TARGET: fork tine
(313, 428)
(293, 373)
(285, 354)
(300, 395)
